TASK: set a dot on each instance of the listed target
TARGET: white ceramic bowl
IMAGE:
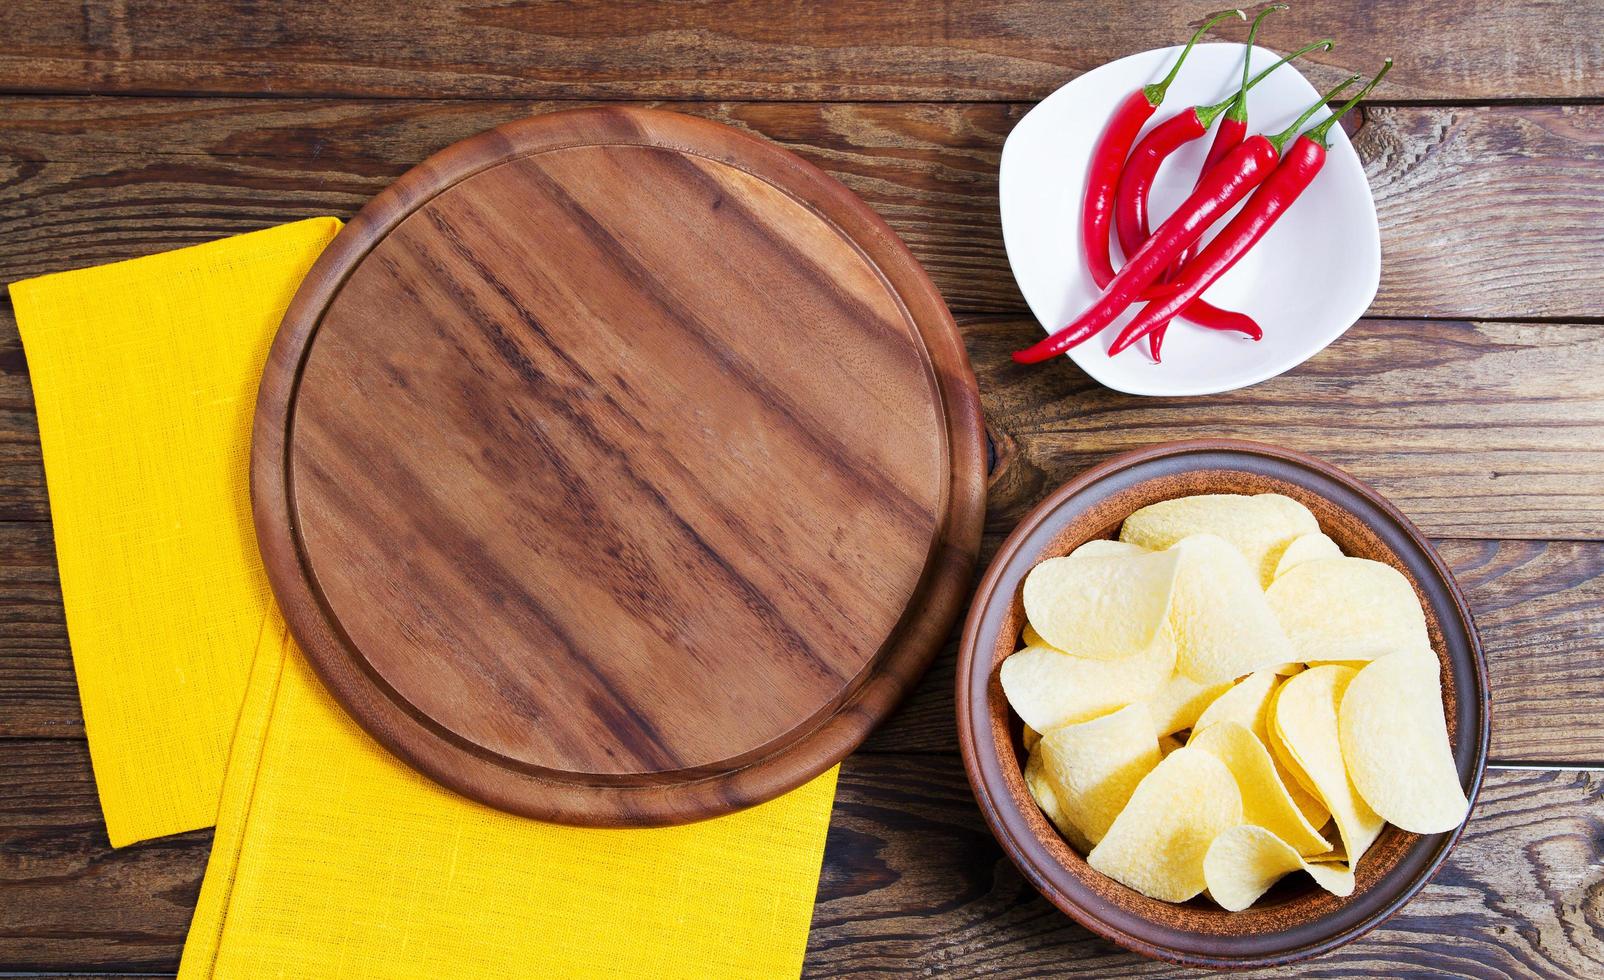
(1305, 282)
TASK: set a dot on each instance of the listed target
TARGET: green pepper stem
(1318, 133)
(1280, 139)
(1207, 113)
(1155, 92)
(1239, 104)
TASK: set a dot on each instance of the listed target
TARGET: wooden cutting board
(618, 468)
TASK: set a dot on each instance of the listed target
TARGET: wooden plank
(67, 900)
(1539, 606)
(94, 180)
(912, 882)
(1480, 430)
(776, 49)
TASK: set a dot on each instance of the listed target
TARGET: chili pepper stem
(1280, 140)
(1207, 113)
(1239, 105)
(1155, 92)
(1319, 133)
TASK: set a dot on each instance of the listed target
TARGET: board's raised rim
(461, 766)
(983, 729)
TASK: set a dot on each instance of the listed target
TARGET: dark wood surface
(1470, 397)
(634, 590)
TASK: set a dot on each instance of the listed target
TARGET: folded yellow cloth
(144, 374)
(331, 858)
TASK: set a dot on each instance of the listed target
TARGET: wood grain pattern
(913, 884)
(599, 537)
(774, 49)
(1486, 430)
(1538, 604)
(1477, 430)
(84, 181)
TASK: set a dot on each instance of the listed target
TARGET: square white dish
(1311, 276)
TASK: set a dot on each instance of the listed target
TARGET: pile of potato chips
(1303, 681)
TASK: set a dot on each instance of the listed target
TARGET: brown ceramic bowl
(1295, 920)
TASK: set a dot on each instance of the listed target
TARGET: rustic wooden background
(1472, 394)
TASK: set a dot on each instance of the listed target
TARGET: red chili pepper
(1108, 157)
(1278, 192)
(1136, 183)
(1233, 129)
(1220, 190)
(1136, 180)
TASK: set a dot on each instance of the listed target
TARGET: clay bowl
(1295, 920)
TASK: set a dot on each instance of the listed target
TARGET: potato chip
(1030, 638)
(1030, 737)
(1294, 779)
(1247, 703)
(1104, 548)
(1095, 766)
(1222, 623)
(1260, 527)
(1244, 861)
(1288, 669)
(1306, 720)
(1179, 701)
(1306, 547)
(1101, 608)
(1347, 609)
(1049, 689)
(1395, 742)
(1041, 790)
(1265, 801)
(1157, 843)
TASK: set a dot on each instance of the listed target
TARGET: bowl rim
(994, 798)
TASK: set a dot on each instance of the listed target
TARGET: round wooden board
(617, 468)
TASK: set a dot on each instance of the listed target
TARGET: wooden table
(1472, 394)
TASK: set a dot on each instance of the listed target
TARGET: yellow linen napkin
(144, 374)
(333, 859)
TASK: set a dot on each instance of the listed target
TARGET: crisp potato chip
(1030, 737)
(1049, 689)
(1244, 861)
(1265, 801)
(1094, 767)
(1347, 609)
(1179, 701)
(1101, 608)
(1306, 547)
(1288, 669)
(1041, 790)
(1306, 719)
(1395, 742)
(1247, 703)
(1222, 624)
(1104, 548)
(1157, 843)
(1030, 638)
(1294, 779)
(1260, 527)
